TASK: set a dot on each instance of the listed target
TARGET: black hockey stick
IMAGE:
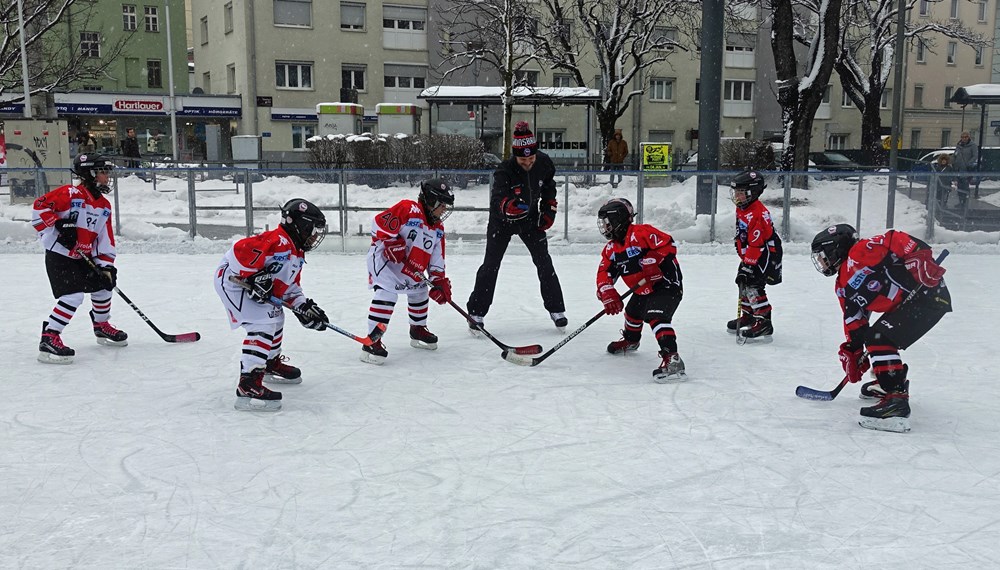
(528, 349)
(813, 394)
(183, 337)
(526, 361)
(741, 338)
(365, 340)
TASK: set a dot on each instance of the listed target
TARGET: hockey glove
(514, 208)
(311, 316)
(612, 300)
(921, 265)
(651, 275)
(547, 215)
(746, 275)
(414, 269)
(854, 362)
(67, 233)
(260, 286)
(395, 249)
(440, 288)
(110, 274)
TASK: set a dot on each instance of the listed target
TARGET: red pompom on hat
(524, 143)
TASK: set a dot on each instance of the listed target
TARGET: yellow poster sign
(886, 144)
(656, 156)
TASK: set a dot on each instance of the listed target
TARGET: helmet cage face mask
(305, 223)
(831, 247)
(823, 264)
(435, 194)
(87, 167)
(614, 218)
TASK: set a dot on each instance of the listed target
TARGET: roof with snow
(982, 94)
(522, 95)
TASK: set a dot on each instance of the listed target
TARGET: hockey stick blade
(519, 359)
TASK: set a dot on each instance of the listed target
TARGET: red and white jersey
(424, 245)
(643, 245)
(754, 232)
(272, 250)
(94, 236)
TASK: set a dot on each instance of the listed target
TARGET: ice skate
(374, 353)
(623, 345)
(473, 329)
(759, 331)
(51, 349)
(872, 390)
(252, 396)
(107, 334)
(277, 372)
(560, 320)
(745, 320)
(420, 337)
(670, 370)
(891, 413)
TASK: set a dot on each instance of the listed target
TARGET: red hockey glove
(514, 208)
(547, 215)
(395, 249)
(440, 288)
(612, 300)
(414, 269)
(854, 362)
(921, 265)
(651, 274)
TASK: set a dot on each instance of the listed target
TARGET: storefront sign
(265, 101)
(131, 106)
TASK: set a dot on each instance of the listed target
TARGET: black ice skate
(420, 337)
(745, 320)
(252, 396)
(891, 413)
(560, 320)
(670, 370)
(473, 329)
(872, 390)
(278, 372)
(51, 349)
(375, 353)
(759, 331)
(107, 334)
(624, 345)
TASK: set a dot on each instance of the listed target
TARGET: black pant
(911, 320)
(498, 235)
(68, 276)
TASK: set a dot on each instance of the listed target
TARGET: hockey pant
(384, 301)
(657, 309)
(67, 276)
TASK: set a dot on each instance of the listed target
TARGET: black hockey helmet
(614, 218)
(88, 166)
(433, 194)
(749, 185)
(831, 246)
(304, 223)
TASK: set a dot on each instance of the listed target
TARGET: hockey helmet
(435, 193)
(746, 187)
(614, 218)
(831, 246)
(304, 223)
(88, 166)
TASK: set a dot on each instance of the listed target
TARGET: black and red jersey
(643, 244)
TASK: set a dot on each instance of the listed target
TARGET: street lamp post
(24, 61)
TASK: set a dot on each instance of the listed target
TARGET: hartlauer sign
(127, 105)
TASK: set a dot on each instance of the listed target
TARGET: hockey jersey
(643, 245)
(272, 251)
(874, 278)
(92, 215)
(755, 236)
(424, 245)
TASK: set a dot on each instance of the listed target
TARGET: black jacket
(130, 147)
(536, 187)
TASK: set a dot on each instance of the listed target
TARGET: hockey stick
(183, 337)
(523, 361)
(813, 394)
(741, 338)
(528, 350)
(365, 340)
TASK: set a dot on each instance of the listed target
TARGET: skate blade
(253, 405)
(474, 333)
(896, 425)
(275, 379)
(766, 339)
(424, 345)
(369, 358)
(49, 358)
(670, 378)
(108, 342)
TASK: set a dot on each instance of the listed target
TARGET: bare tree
(864, 62)
(56, 60)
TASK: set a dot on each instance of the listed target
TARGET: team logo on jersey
(633, 251)
(840, 292)
(282, 240)
(414, 209)
(859, 277)
(76, 203)
(874, 285)
(414, 223)
(280, 258)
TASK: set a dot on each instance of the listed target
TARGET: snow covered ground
(134, 457)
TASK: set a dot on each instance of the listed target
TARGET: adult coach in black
(522, 203)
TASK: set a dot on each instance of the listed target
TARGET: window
(300, 134)
(93, 88)
(826, 96)
(661, 89)
(918, 95)
(133, 72)
(981, 13)
(227, 16)
(845, 100)
(352, 16)
(293, 75)
(738, 91)
(947, 96)
(90, 44)
(293, 13)
(206, 82)
(838, 141)
(697, 90)
(129, 18)
(154, 73)
(231, 78)
(945, 137)
(954, 10)
(915, 138)
(739, 50)
(352, 77)
(204, 30)
(925, 7)
(404, 76)
(952, 50)
(921, 51)
(152, 18)
(550, 137)
(562, 30)
(886, 98)
(404, 18)
(562, 80)
(526, 77)
(664, 38)
(979, 55)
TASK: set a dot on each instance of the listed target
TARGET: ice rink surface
(135, 458)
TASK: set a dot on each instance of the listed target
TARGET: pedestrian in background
(130, 149)
(942, 167)
(615, 155)
(86, 144)
(966, 160)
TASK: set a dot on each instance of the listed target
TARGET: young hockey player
(646, 259)
(759, 248)
(894, 274)
(72, 222)
(407, 240)
(253, 271)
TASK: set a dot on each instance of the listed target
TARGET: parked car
(834, 161)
